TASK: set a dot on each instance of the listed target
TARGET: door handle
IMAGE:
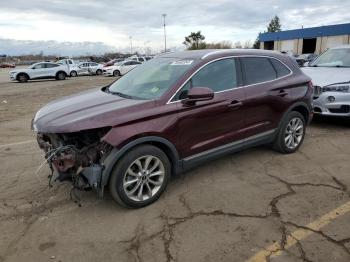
(282, 93)
(235, 104)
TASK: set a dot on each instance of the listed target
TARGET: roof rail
(215, 52)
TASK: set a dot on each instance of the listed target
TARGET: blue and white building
(307, 40)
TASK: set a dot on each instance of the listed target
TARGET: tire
(98, 72)
(291, 133)
(73, 74)
(116, 73)
(61, 76)
(126, 182)
(22, 78)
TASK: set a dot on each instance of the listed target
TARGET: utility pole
(164, 15)
(130, 37)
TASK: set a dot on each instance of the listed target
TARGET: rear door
(266, 96)
(51, 69)
(210, 124)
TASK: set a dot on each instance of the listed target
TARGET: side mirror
(197, 94)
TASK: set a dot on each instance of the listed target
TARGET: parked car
(7, 65)
(41, 70)
(90, 68)
(120, 68)
(72, 65)
(305, 58)
(330, 73)
(113, 61)
(140, 59)
(172, 113)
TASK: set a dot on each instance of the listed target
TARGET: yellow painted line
(300, 234)
(18, 143)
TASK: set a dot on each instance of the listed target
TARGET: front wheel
(291, 133)
(116, 73)
(73, 74)
(98, 72)
(140, 177)
(22, 78)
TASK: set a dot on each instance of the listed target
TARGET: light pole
(130, 37)
(164, 15)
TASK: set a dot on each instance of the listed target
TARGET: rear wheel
(116, 73)
(140, 177)
(60, 76)
(22, 78)
(291, 133)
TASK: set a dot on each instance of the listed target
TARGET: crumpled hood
(322, 76)
(87, 110)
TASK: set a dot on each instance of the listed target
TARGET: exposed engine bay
(77, 157)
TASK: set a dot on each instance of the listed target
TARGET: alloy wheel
(144, 178)
(294, 133)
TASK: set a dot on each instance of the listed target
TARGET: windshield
(152, 79)
(334, 58)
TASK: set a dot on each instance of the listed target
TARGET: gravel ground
(256, 204)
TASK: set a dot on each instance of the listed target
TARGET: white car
(121, 68)
(330, 74)
(41, 70)
(90, 68)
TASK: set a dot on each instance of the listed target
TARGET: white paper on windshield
(182, 62)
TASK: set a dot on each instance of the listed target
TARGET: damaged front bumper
(78, 157)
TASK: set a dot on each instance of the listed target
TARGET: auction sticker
(182, 62)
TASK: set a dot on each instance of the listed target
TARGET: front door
(207, 125)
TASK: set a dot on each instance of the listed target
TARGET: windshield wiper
(122, 95)
(119, 94)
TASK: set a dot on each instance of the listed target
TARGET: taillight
(311, 85)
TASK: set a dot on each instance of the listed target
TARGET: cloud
(112, 22)
(24, 47)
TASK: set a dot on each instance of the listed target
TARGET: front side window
(218, 76)
(152, 79)
(258, 70)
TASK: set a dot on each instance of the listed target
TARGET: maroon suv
(173, 113)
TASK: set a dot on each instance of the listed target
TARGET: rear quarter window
(280, 68)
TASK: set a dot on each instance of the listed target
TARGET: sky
(83, 27)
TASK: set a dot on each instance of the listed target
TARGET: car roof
(207, 53)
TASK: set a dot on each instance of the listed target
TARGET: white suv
(41, 70)
(330, 73)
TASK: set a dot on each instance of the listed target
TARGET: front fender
(116, 154)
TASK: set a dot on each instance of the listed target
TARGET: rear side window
(51, 65)
(280, 68)
(258, 69)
